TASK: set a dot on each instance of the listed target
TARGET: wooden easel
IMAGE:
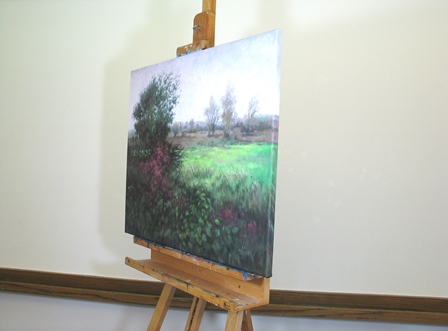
(233, 290)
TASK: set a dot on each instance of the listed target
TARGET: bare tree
(251, 111)
(212, 116)
(228, 116)
(175, 128)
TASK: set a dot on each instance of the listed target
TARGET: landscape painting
(202, 153)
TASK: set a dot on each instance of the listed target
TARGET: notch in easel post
(203, 29)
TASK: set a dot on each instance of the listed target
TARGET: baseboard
(346, 306)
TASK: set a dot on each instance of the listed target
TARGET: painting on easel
(202, 152)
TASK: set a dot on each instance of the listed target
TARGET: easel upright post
(203, 29)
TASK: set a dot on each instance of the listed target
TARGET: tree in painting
(228, 116)
(151, 158)
(154, 113)
(252, 110)
(212, 116)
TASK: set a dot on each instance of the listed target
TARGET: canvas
(202, 153)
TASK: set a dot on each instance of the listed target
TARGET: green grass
(254, 161)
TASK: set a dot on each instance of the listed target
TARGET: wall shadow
(154, 41)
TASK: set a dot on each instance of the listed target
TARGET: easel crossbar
(228, 293)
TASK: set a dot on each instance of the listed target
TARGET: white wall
(363, 175)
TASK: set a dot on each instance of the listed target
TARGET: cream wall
(363, 181)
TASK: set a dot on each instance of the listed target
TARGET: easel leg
(161, 308)
(247, 322)
(196, 313)
(234, 320)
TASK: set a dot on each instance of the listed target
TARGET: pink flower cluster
(252, 227)
(229, 216)
(155, 167)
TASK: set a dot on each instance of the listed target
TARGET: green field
(254, 162)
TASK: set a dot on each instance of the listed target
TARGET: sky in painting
(251, 65)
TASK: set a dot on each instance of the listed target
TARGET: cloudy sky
(251, 65)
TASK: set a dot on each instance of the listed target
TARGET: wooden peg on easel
(203, 29)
